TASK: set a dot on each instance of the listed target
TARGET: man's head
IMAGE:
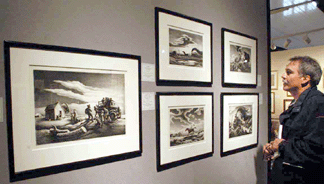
(309, 66)
(301, 73)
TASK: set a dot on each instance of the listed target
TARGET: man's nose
(283, 75)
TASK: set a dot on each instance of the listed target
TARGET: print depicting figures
(185, 48)
(240, 58)
(240, 117)
(186, 125)
(71, 106)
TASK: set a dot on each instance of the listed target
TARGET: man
(88, 112)
(301, 146)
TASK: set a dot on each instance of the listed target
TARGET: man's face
(292, 80)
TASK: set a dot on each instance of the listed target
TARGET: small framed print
(183, 50)
(239, 122)
(184, 128)
(274, 129)
(286, 103)
(274, 80)
(273, 102)
(239, 59)
(70, 108)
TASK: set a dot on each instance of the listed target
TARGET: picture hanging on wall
(183, 50)
(273, 102)
(184, 128)
(274, 79)
(239, 59)
(239, 122)
(70, 108)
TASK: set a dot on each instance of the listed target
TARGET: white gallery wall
(127, 26)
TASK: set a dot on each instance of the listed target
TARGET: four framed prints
(83, 107)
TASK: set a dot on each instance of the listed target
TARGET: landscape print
(240, 116)
(240, 58)
(186, 125)
(185, 48)
(71, 106)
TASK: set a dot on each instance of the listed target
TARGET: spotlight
(287, 42)
(306, 39)
(273, 46)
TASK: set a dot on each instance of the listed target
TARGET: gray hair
(309, 66)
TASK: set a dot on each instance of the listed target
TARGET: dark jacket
(303, 129)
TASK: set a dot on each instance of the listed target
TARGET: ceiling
(296, 22)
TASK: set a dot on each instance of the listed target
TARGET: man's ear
(306, 79)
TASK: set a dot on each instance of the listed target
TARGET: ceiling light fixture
(273, 46)
(296, 34)
(306, 39)
(287, 42)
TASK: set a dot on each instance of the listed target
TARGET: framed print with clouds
(239, 122)
(185, 128)
(70, 108)
(183, 49)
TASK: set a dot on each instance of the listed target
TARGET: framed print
(183, 50)
(184, 128)
(70, 108)
(273, 102)
(274, 80)
(274, 129)
(239, 59)
(239, 122)
(286, 103)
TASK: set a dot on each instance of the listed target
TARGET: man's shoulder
(317, 96)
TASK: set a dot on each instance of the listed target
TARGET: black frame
(161, 167)
(38, 172)
(240, 85)
(164, 82)
(243, 148)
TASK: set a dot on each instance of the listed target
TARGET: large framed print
(183, 50)
(239, 59)
(184, 128)
(70, 108)
(239, 122)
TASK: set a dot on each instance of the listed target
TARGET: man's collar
(302, 96)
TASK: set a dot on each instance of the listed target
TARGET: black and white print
(240, 120)
(186, 125)
(240, 58)
(185, 48)
(71, 106)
